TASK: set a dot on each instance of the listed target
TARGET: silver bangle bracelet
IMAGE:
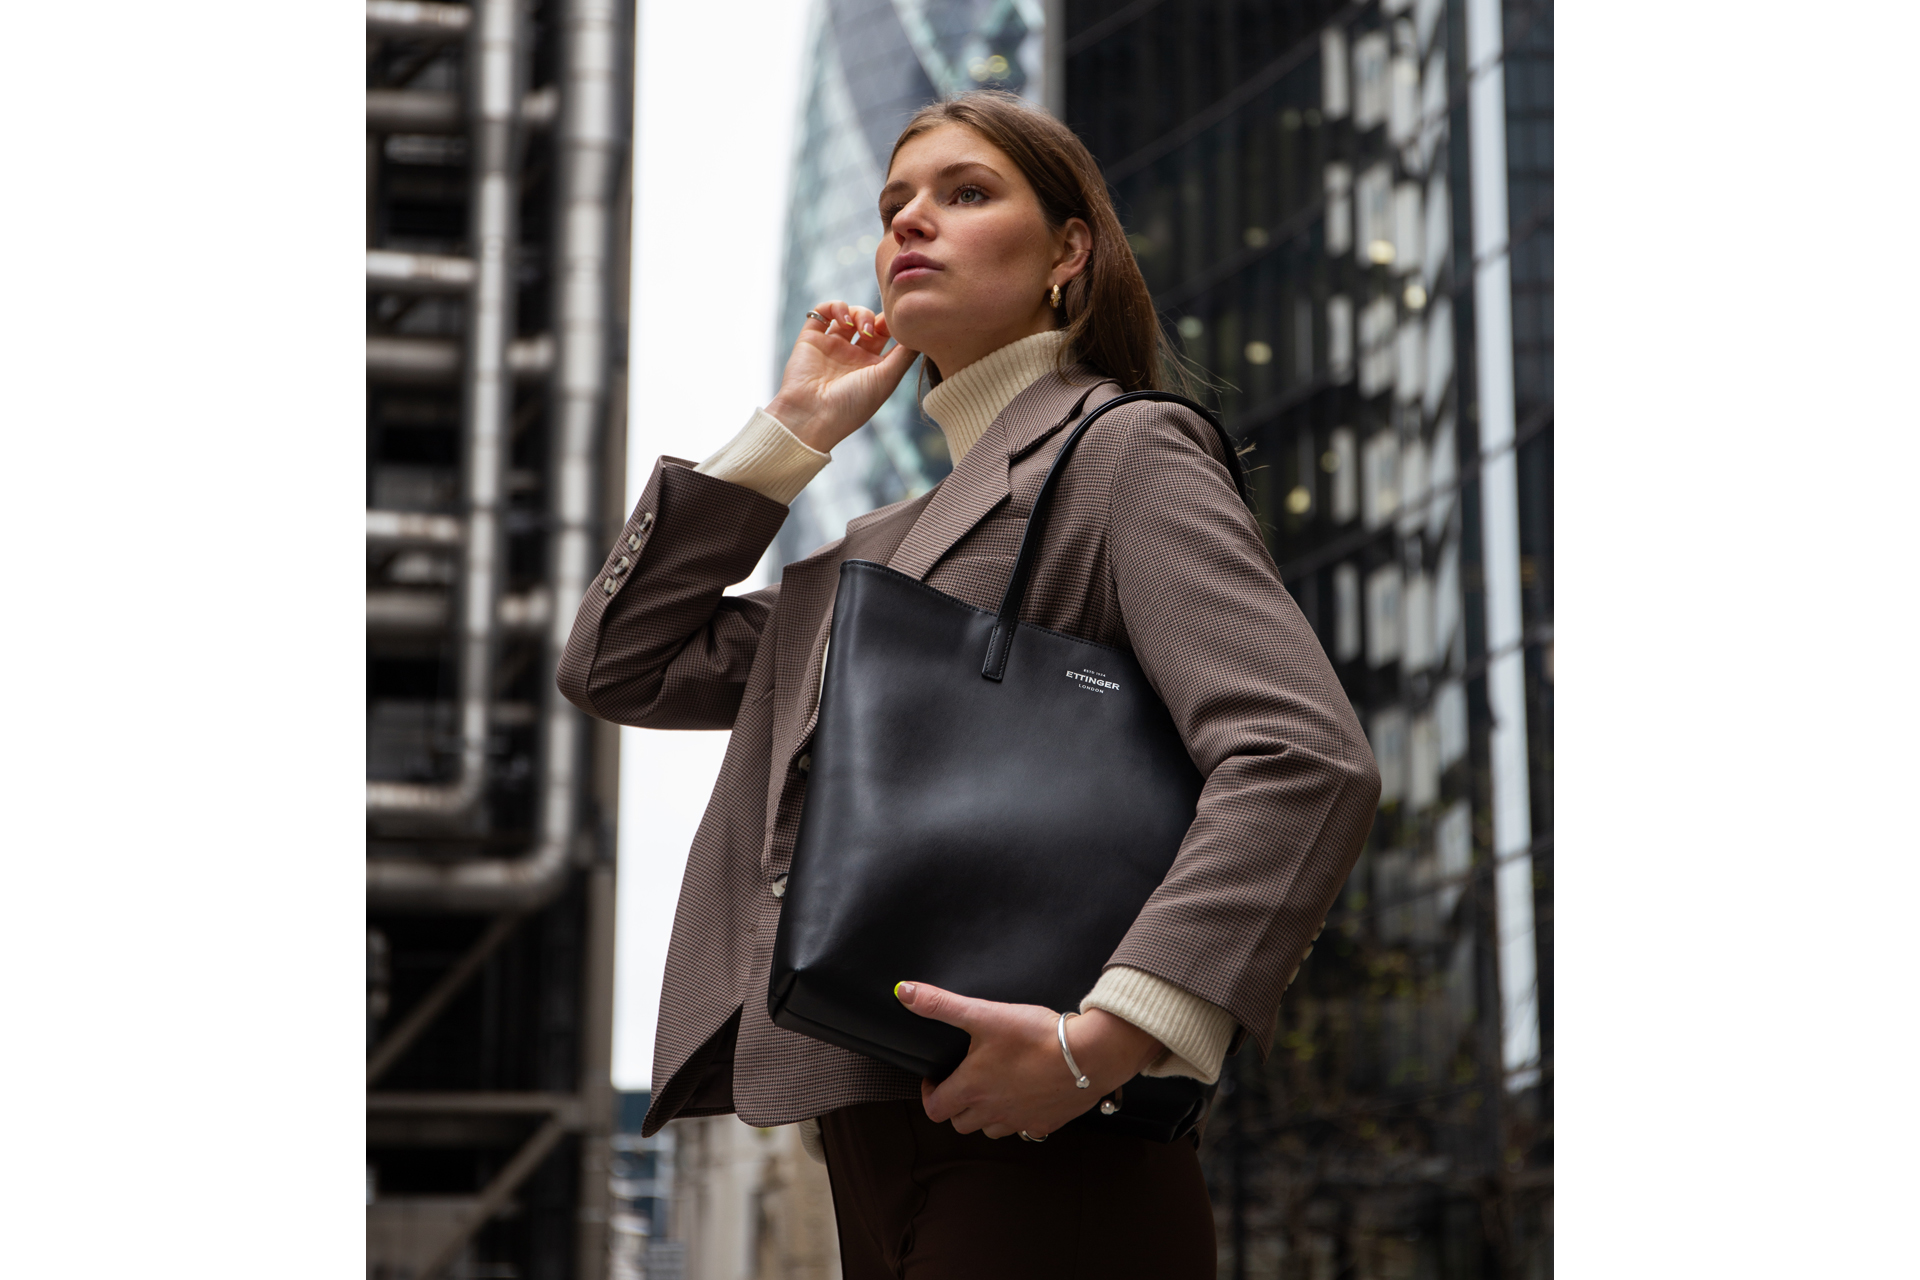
(1080, 1080)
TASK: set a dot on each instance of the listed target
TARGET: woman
(1004, 264)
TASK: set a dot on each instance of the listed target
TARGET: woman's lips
(911, 266)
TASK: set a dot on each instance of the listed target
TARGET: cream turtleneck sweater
(772, 461)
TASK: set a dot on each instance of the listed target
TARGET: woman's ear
(1076, 245)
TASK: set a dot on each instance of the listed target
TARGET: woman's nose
(913, 219)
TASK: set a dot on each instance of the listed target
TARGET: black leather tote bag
(989, 806)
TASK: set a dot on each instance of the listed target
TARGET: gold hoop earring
(1056, 297)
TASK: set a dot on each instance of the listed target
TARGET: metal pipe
(590, 157)
(417, 21)
(398, 358)
(563, 1107)
(1500, 549)
(412, 111)
(493, 58)
(415, 527)
(590, 154)
(427, 111)
(596, 1073)
(412, 612)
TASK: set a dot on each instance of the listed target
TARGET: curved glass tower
(870, 65)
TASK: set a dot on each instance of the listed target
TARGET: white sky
(717, 92)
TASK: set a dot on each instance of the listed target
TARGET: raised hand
(1014, 1076)
(840, 373)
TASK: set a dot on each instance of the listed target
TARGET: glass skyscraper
(870, 65)
(1345, 214)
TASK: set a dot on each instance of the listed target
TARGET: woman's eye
(969, 195)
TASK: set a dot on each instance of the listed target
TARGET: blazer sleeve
(656, 642)
(1291, 784)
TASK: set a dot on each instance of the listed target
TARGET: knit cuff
(1194, 1031)
(766, 458)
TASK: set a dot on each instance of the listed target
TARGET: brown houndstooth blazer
(1148, 547)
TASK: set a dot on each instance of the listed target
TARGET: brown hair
(1106, 309)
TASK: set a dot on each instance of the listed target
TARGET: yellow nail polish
(896, 989)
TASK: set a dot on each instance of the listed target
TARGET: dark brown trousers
(917, 1201)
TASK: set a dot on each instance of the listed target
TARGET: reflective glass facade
(1299, 184)
(870, 65)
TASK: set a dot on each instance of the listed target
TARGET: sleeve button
(805, 763)
(646, 521)
(633, 542)
(779, 887)
(611, 586)
(621, 565)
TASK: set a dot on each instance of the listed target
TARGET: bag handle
(1001, 641)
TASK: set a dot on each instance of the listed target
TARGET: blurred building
(870, 65)
(643, 1247)
(1345, 213)
(497, 216)
(749, 1204)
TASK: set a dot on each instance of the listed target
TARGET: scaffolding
(498, 196)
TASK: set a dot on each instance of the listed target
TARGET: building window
(1376, 347)
(1370, 80)
(1339, 338)
(1346, 613)
(1387, 735)
(1409, 339)
(1383, 615)
(1409, 227)
(1453, 843)
(1342, 462)
(1374, 197)
(1339, 187)
(1416, 624)
(1423, 763)
(1450, 720)
(1380, 496)
(1333, 73)
(1403, 94)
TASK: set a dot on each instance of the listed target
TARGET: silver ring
(815, 315)
(1027, 1137)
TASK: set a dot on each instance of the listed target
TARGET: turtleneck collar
(966, 404)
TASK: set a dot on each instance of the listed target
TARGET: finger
(945, 1101)
(966, 1122)
(832, 318)
(998, 1131)
(866, 338)
(933, 1002)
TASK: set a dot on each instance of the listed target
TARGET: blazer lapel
(981, 482)
(806, 610)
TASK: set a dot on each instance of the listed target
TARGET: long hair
(1106, 309)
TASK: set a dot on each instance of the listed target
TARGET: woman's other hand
(1014, 1076)
(839, 374)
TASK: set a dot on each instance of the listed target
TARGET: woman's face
(967, 260)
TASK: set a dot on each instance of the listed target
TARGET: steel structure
(498, 195)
